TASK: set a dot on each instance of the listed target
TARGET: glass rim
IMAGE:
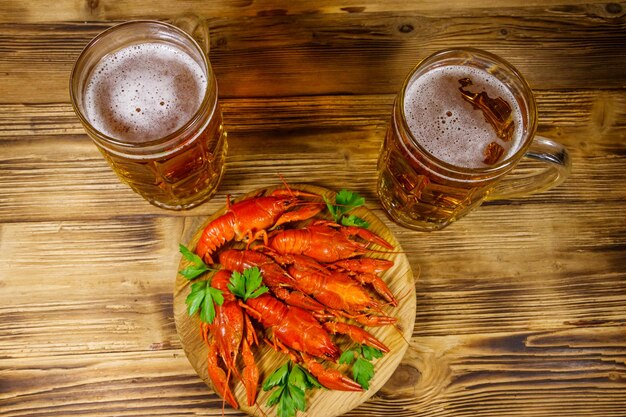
(531, 112)
(170, 137)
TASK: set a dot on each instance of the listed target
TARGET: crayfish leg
(288, 192)
(303, 213)
(379, 286)
(372, 320)
(330, 378)
(298, 299)
(365, 234)
(371, 265)
(250, 338)
(357, 334)
(251, 237)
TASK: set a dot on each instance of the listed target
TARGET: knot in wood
(406, 28)
(614, 8)
(404, 376)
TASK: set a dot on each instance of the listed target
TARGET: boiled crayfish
(250, 219)
(337, 290)
(230, 333)
(325, 241)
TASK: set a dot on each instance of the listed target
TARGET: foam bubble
(447, 125)
(144, 92)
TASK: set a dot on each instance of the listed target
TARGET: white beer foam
(448, 126)
(144, 92)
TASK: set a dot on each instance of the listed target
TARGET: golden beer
(463, 119)
(146, 94)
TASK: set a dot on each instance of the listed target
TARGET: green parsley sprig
(291, 382)
(344, 202)
(362, 368)
(247, 284)
(203, 297)
(197, 267)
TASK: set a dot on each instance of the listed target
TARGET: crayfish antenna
(290, 192)
(397, 326)
(368, 319)
(259, 409)
(228, 202)
(282, 179)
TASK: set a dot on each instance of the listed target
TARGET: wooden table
(521, 306)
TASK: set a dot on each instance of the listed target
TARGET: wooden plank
(494, 375)
(107, 280)
(316, 54)
(68, 10)
(145, 383)
(494, 332)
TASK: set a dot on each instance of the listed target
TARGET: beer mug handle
(196, 27)
(550, 165)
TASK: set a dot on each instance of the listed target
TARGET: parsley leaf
(344, 202)
(348, 357)
(197, 267)
(291, 381)
(275, 396)
(195, 297)
(278, 377)
(349, 199)
(203, 297)
(370, 352)
(247, 284)
(213, 296)
(332, 209)
(362, 369)
(353, 220)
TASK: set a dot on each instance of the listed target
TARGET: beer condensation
(143, 93)
(460, 116)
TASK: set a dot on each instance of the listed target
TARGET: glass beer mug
(462, 121)
(147, 96)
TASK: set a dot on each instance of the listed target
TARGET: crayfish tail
(219, 378)
(250, 373)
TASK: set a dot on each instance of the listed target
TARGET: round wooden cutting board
(320, 402)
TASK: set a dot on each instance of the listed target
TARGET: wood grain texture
(312, 54)
(520, 307)
(67, 10)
